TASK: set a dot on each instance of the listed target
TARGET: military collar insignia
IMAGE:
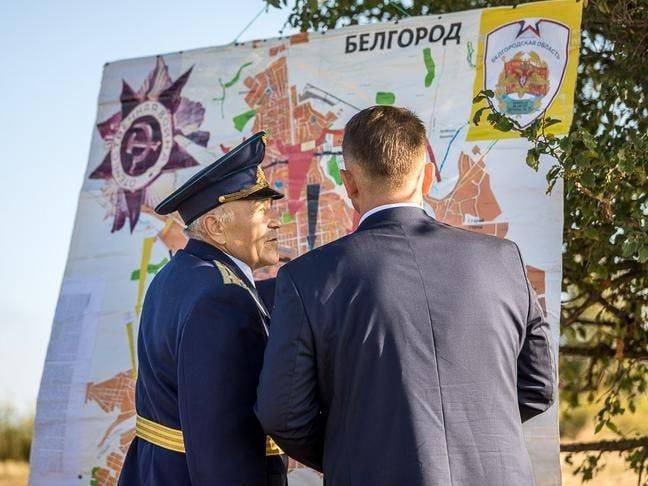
(230, 278)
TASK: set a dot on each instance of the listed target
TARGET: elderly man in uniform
(409, 352)
(202, 335)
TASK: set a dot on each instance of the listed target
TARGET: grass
(15, 434)
(16, 474)
(13, 473)
(615, 473)
(579, 427)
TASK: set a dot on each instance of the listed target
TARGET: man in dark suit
(408, 352)
(202, 334)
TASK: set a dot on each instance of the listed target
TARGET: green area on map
(334, 170)
(241, 120)
(286, 218)
(232, 81)
(93, 472)
(429, 66)
(385, 98)
(236, 77)
(152, 269)
(470, 50)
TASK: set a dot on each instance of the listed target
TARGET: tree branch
(576, 312)
(605, 445)
(619, 314)
(601, 350)
(594, 322)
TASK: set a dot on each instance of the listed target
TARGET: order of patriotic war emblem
(149, 139)
(524, 65)
(142, 146)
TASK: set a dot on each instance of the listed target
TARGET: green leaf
(589, 141)
(532, 159)
(582, 159)
(504, 125)
(478, 115)
(493, 117)
(643, 254)
(629, 247)
(592, 232)
(588, 179)
(550, 122)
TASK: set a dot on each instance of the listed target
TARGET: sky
(50, 71)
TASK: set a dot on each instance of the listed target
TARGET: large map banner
(160, 119)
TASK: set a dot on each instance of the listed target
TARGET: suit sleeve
(536, 380)
(288, 405)
(219, 359)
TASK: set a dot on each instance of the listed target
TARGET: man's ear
(213, 227)
(350, 183)
(428, 178)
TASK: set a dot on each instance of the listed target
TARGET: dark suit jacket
(200, 350)
(407, 353)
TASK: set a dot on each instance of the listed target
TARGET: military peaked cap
(236, 175)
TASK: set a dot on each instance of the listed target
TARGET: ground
(13, 473)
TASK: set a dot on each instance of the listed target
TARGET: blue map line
(490, 147)
(445, 156)
(450, 144)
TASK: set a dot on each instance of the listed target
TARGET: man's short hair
(386, 141)
(194, 229)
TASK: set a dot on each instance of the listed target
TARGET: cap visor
(265, 193)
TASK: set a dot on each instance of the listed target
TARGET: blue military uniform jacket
(201, 340)
(407, 354)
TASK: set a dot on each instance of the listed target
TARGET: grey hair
(194, 229)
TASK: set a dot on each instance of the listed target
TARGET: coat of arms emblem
(524, 76)
(524, 65)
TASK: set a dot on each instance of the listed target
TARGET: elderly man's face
(251, 233)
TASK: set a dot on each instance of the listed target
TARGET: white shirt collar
(245, 268)
(388, 206)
